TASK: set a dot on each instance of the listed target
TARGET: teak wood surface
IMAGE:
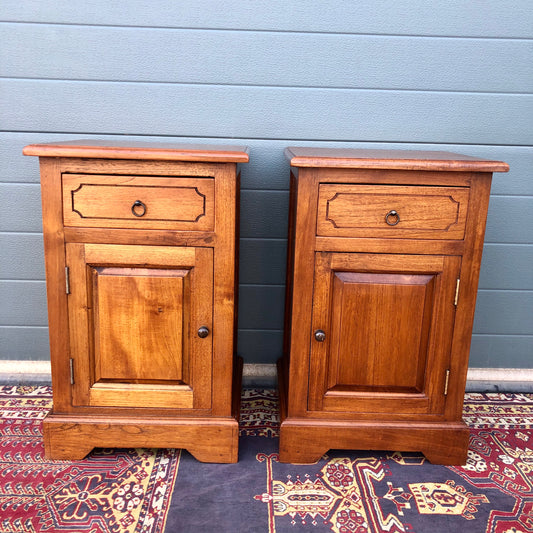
(382, 273)
(167, 203)
(315, 157)
(90, 148)
(140, 253)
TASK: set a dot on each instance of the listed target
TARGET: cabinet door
(135, 313)
(388, 323)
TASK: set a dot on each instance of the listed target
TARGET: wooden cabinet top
(390, 160)
(141, 150)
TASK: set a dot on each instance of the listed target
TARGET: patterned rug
(111, 491)
(365, 492)
(141, 491)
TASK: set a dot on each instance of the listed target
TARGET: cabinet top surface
(389, 159)
(141, 150)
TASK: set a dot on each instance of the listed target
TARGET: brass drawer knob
(392, 218)
(320, 335)
(203, 332)
(138, 208)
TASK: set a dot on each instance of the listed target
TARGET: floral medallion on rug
(110, 491)
(374, 492)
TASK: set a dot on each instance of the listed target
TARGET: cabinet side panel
(467, 295)
(290, 265)
(54, 247)
(224, 289)
(302, 294)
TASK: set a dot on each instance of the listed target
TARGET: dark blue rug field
(361, 491)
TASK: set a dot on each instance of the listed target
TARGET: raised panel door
(135, 313)
(386, 321)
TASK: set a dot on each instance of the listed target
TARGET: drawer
(140, 202)
(396, 211)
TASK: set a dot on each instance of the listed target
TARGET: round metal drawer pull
(320, 335)
(136, 208)
(394, 215)
(203, 332)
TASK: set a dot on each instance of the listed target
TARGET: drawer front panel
(392, 211)
(182, 203)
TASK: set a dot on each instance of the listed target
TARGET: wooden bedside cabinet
(140, 251)
(384, 255)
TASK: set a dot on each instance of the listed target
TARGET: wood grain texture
(148, 345)
(387, 318)
(208, 440)
(303, 442)
(301, 279)
(262, 262)
(392, 211)
(134, 315)
(224, 292)
(464, 318)
(390, 160)
(384, 347)
(373, 300)
(149, 328)
(269, 167)
(141, 237)
(140, 150)
(138, 202)
(54, 250)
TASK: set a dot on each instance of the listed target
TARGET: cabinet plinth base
(209, 440)
(305, 441)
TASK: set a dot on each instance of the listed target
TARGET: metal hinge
(446, 382)
(67, 280)
(71, 364)
(456, 300)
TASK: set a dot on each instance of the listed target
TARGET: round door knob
(320, 335)
(203, 332)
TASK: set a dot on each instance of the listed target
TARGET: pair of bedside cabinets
(141, 252)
